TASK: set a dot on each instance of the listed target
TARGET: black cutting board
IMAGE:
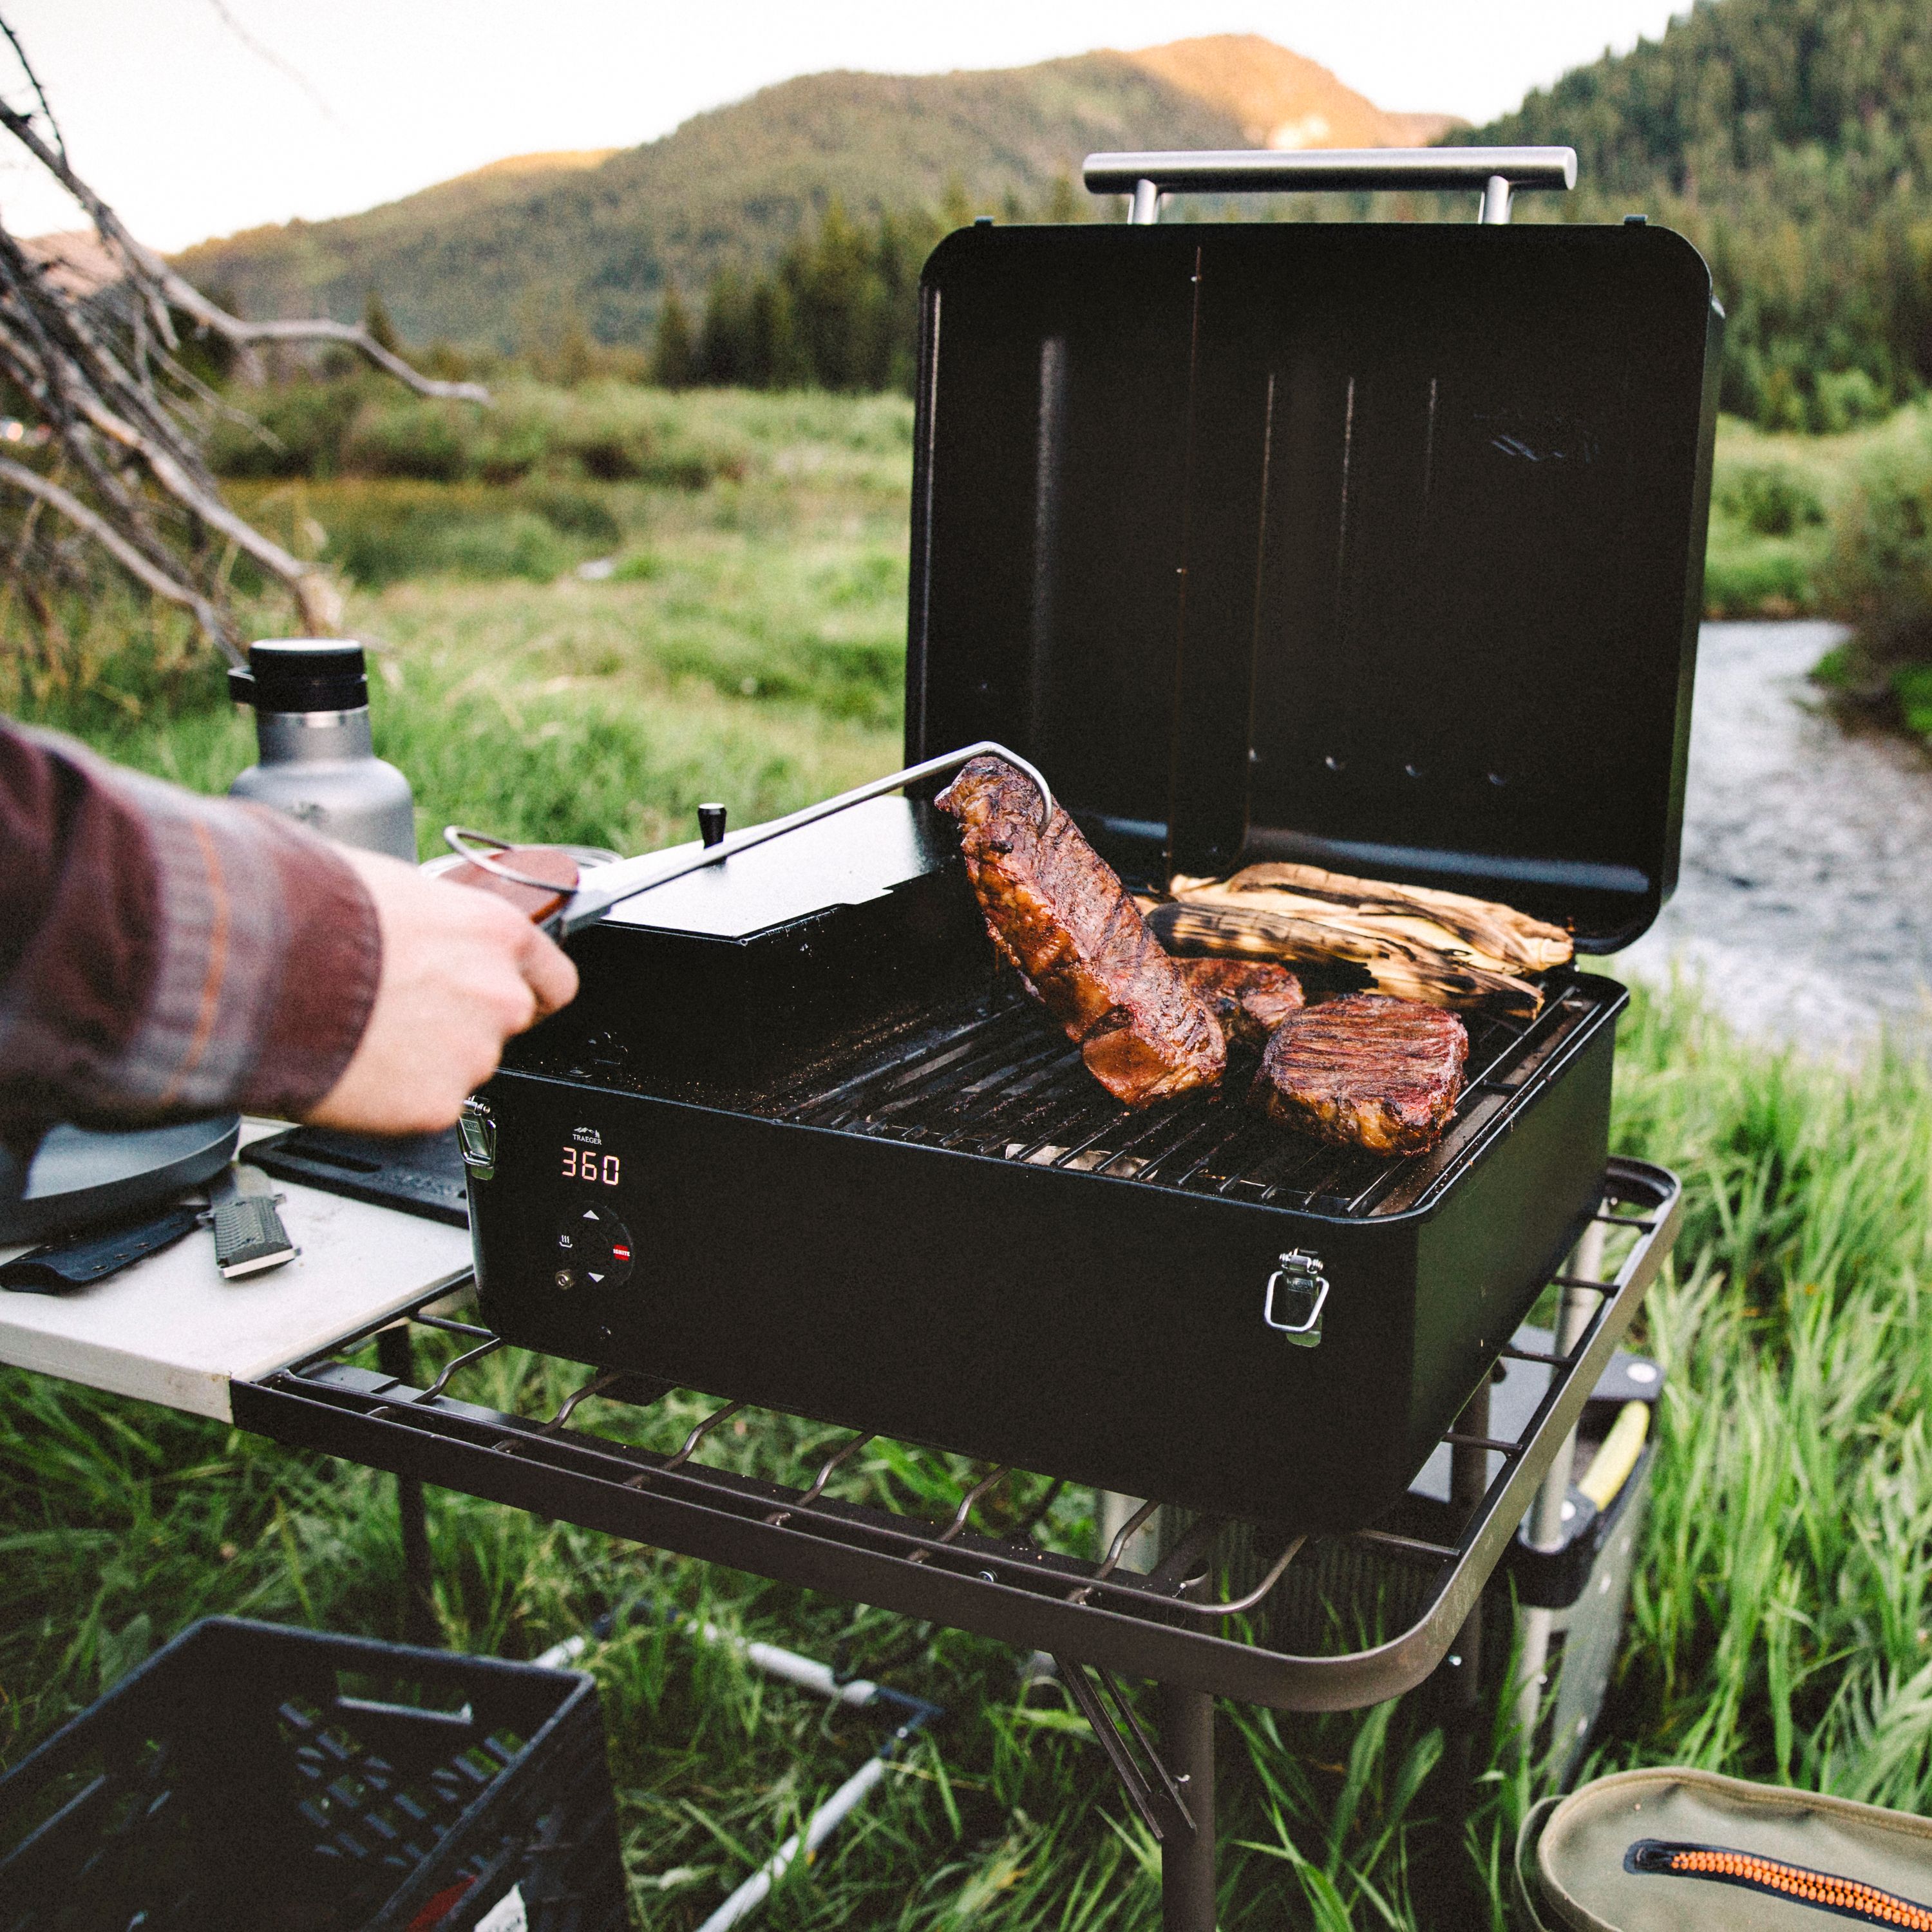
(420, 1174)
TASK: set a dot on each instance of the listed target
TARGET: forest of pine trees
(1791, 140)
(839, 310)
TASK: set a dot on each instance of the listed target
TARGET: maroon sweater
(163, 954)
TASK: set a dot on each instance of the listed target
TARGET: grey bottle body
(320, 767)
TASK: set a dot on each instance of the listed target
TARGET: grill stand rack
(1091, 1616)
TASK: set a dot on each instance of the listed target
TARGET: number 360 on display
(586, 1164)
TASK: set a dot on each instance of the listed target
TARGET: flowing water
(1804, 902)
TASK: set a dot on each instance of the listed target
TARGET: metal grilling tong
(544, 881)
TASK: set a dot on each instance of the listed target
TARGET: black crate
(289, 1780)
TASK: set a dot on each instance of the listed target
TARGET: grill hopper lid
(1376, 547)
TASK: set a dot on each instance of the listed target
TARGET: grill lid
(1379, 547)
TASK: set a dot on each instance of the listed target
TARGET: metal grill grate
(1001, 1080)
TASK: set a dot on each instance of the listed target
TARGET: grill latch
(476, 1139)
(1297, 1291)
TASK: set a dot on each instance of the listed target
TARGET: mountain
(1281, 99)
(1791, 141)
(502, 255)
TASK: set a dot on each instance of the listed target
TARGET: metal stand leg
(1187, 1861)
(1468, 1480)
(1112, 1512)
(394, 1357)
(1546, 1515)
(1170, 1785)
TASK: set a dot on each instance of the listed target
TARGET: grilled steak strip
(1250, 997)
(1365, 1071)
(1056, 911)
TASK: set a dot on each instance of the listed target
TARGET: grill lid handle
(1496, 173)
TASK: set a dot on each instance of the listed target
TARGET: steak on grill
(1365, 1071)
(1250, 997)
(1056, 911)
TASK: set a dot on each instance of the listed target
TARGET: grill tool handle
(531, 876)
(1496, 173)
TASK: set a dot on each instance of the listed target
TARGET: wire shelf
(1167, 1624)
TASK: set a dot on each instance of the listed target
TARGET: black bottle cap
(303, 674)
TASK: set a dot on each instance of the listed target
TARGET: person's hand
(461, 972)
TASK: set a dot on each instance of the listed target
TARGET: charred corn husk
(1402, 966)
(1495, 937)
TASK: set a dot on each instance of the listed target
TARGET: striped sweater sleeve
(165, 954)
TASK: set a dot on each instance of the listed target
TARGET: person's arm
(165, 954)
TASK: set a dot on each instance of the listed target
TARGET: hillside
(1282, 100)
(499, 256)
(1792, 140)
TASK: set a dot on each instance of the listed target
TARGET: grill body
(1378, 547)
(899, 1202)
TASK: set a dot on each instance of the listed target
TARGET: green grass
(1773, 498)
(1780, 1614)
(749, 646)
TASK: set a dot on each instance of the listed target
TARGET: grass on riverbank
(1781, 1604)
(1838, 526)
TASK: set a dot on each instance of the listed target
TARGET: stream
(1803, 907)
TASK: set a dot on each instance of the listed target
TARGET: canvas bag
(1573, 1855)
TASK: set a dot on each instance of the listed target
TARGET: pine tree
(375, 320)
(1062, 203)
(674, 354)
(775, 359)
(725, 346)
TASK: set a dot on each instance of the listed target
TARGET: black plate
(80, 1176)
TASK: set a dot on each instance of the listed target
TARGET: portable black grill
(1377, 546)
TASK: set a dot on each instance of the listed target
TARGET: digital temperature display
(587, 1164)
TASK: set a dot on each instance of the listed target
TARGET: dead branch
(166, 289)
(102, 372)
(157, 581)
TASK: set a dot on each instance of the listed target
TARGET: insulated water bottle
(317, 762)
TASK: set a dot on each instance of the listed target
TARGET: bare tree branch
(103, 371)
(186, 297)
(34, 82)
(168, 290)
(130, 560)
(271, 58)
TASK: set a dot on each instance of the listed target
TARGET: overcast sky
(197, 117)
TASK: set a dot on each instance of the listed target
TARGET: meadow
(739, 637)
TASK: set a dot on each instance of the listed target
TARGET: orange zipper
(1848, 1897)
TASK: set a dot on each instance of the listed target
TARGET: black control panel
(591, 1247)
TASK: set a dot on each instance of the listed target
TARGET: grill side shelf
(1008, 1587)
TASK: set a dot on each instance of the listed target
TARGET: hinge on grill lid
(1296, 1292)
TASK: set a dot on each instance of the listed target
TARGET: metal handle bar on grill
(1496, 173)
(568, 907)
